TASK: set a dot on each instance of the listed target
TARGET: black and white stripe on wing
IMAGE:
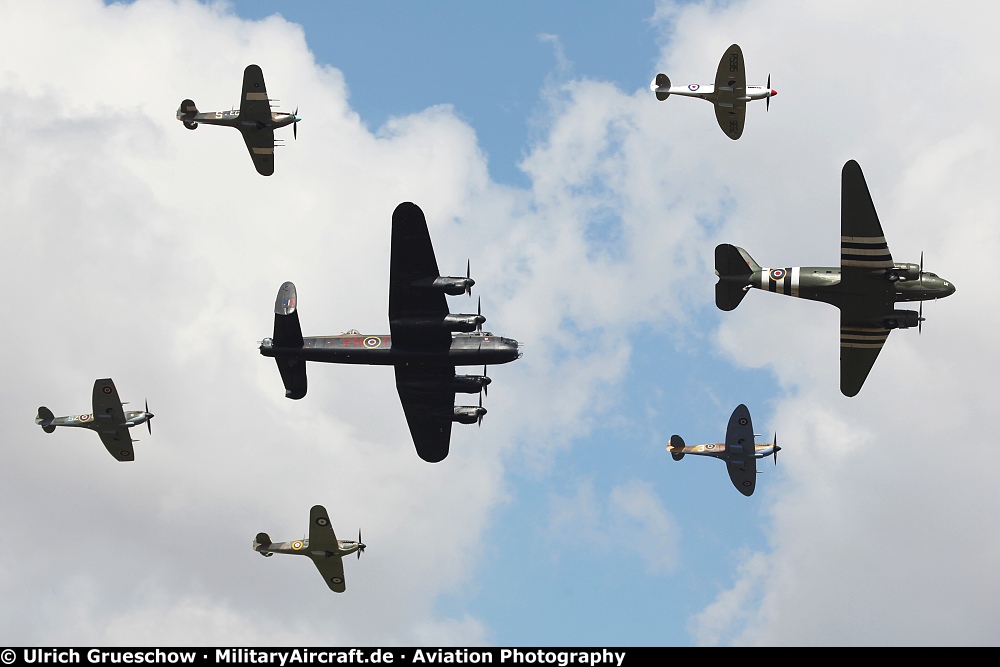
(863, 337)
(867, 252)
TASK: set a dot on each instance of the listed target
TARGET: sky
(589, 212)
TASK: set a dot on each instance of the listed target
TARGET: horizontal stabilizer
(735, 267)
(44, 419)
(659, 83)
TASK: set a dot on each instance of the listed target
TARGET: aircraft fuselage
(232, 119)
(718, 450)
(301, 548)
(467, 349)
(822, 283)
(132, 418)
(725, 94)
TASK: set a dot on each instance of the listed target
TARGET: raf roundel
(297, 545)
(777, 274)
(693, 87)
(743, 421)
(106, 390)
(86, 418)
(373, 342)
(322, 521)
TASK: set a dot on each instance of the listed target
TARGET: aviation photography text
(310, 656)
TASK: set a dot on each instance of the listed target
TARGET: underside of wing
(254, 105)
(118, 441)
(429, 409)
(864, 253)
(740, 459)
(332, 570)
(411, 265)
(260, 143)
(731, 118)
(743, 474)
(860, 344)
(107, 404)
(321, 533)
(731, 76)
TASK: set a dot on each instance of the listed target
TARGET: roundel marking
(297, 544)
(746, 483)
(709, 446)
(322, 521)
(336, 580)
(125, 453)
(86, 418)
(743, 421)
(693, 87)
(777, 274)
(106, 390)
(372, 342)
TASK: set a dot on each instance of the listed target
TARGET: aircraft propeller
(468, 277)
(149, 418)
(767, 100)
(295, 124)
(486, 382)
(479, 316)
(361, 545)
(776, 448)
(480, 412)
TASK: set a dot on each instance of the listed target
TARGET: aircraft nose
(773, 92)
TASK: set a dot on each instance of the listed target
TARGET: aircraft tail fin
(261, 541)
(735, 267)
(676, 443)
(44, 419)
(288, 335)
(186, 113)
(661, 81)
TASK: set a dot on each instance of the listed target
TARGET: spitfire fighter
(111, 422)
(323, 547)
(730, 93)
(422, 345)
(739, 451)
(865, 286)
(255, 120)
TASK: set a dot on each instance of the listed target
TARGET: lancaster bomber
(425, 344)
(255, 120)
(739, 451)
(110, 421)
(865, 286)
(323, 547)
(729, 95)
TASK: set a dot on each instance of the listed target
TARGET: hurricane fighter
(255, 120)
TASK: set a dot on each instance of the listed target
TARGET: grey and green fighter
(739, 451)
(864, 287)
(111, 422)
(322, 546)
(423, 346)
(255, 120)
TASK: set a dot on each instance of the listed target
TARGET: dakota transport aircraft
(323, 547)
(110, 421)
(865, 286)
(730, 93)
(739, 451)
(422, 345)
(255, 120)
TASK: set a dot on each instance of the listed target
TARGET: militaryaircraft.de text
(729, 94)
(255, 120)
(423, 345)
(865, 286)
(111, 422)
(739, 451)
(322, 546)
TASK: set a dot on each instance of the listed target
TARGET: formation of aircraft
(425, 344)
(322, 546)
(739, 451)
(729, 94)
(111, 422)
(865, 286)
(255, 120)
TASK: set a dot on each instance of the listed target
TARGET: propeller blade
(149, 418)
(479, 414)
(486, 385)
(920, 319)
(776, 448)
(361, 545)
(767, 100)
(468, 276)
(479, 312)
(295, 125)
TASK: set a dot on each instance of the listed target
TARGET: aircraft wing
(731, 83)
(110, 420)
(255, 112)
(740, 459)
(324, 550)
(428, 412)
(411, 262)
(867, 296)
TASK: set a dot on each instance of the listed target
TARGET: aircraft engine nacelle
(470, 384)
(901, 319)
(449, 285)
(904, 271)
(468, 414)
(190, 124)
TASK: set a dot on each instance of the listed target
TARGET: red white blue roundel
(777, 275)
(372, 341)
(693, 87)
